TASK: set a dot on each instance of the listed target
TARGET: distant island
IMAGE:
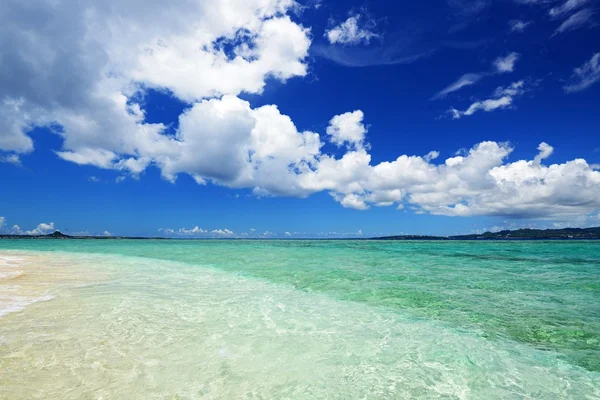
(520, 234)
(60, 235)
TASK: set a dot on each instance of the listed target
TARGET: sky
(283, 119)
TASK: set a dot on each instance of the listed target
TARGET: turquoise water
(303, 319)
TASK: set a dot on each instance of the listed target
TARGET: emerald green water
(509, 298)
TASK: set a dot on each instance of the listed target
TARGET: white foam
(12, 299)
(4, 259)
(12, 304)
(6, 275)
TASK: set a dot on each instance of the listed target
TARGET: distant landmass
(520, 234)
(60, 235)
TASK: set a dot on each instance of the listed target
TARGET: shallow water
(299, 319)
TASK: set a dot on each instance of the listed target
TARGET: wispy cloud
(506, 64)
(11, 159)
(500, 65)
(585, 76)
(468, 7)
(567, 7)
(463, 81)
(364, 57)
(466, 12)
(503, 97)
(517, 25)
(578, 20)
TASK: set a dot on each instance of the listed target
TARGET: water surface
(299, 319)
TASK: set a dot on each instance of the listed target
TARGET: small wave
(11, 260)
(16, 304)
(7, 275)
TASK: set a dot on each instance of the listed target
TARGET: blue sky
(269, 118)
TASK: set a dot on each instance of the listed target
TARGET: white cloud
(222, 232)
(500, 65)
(11, 159)
(352, 31)
(518, 25)
(432, 155)
(194, 231)
(16, 229)
(465, 80)
(578, 20)
(288, 234)
(207, 54)
(478, 183)
(585, 76)
(94, 179)
(566, 7)
(2, 221)
(506, 64)
(347, 128)
(503, 98)
(545, 151)
(41, 229)
(196, 50)
(107, 233)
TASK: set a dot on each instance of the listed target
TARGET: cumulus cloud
(518, 26)
(2, 222)
(41, 229)
(16, 229)
(585, 75)
(222, 232)
(545, 151)
(347, 128)
(194, 231)
(107, 233)
(506, 64)
(479, 183)
(578, 20)
(355, 30)
(116, 49)
(207, 54)
(503, 97)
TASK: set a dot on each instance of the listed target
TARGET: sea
(299, 319)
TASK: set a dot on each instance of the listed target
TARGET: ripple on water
(160, 329)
